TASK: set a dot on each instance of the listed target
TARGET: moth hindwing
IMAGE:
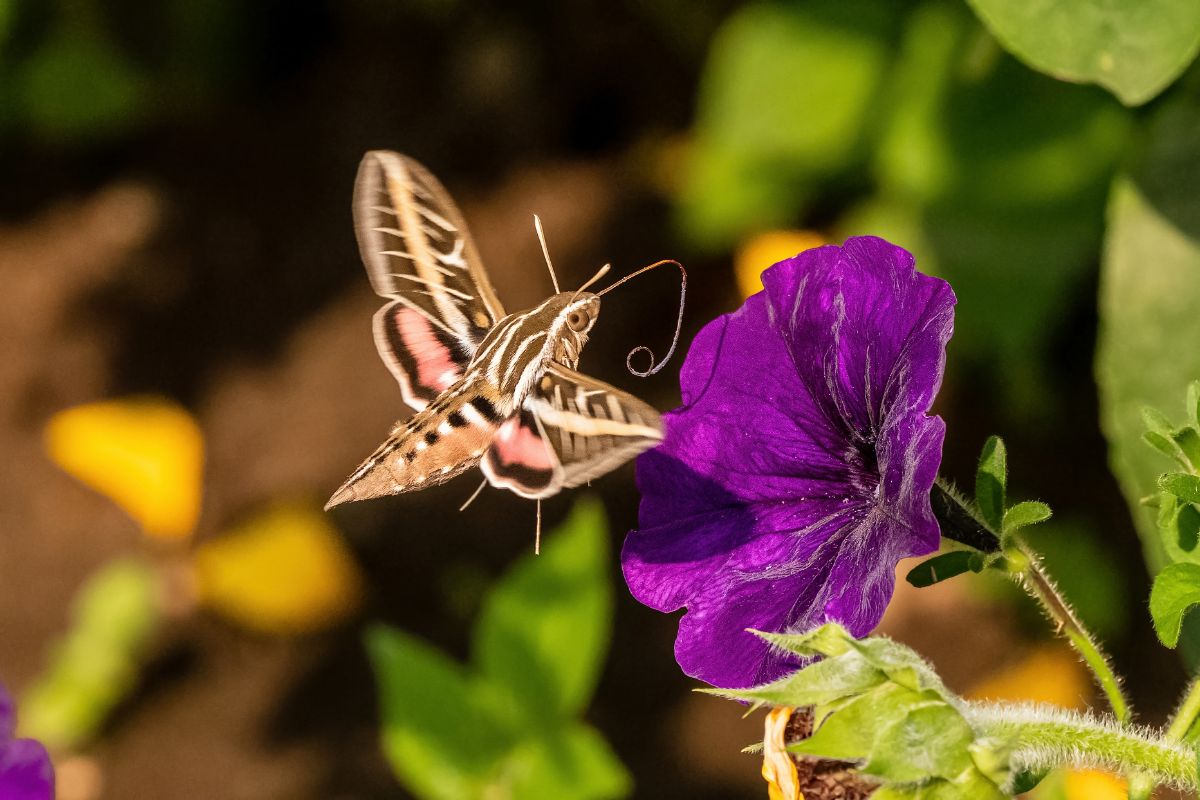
(489, 388)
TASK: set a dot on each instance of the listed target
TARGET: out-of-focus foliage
(146, 455)
(95, 665)
(995, 176)
(1134, 48)
(1149, 293)
(786, 98)
(507, 726)
(284, 571)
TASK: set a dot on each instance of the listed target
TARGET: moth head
(574, 321)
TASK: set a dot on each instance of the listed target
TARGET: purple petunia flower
(798, 471)
(25, 769)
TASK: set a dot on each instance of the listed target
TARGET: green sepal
(991, 482)
(1184, 486)
(1024, 514)
(1026, 780)
(943, 567)
(1156, 421)
(1163, 444)
(1176, 589)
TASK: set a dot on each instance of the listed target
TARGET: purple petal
(25, 771)
(798, 472)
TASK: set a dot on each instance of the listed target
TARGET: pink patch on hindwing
(435, 363)
(518, 444)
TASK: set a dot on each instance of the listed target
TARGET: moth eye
(481, 320)
(577, 320)
(545, 384)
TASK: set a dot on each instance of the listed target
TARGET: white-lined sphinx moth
(489, 388)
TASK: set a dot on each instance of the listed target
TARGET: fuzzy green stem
(1186, 714)
(1142, 786)
(1044, 737)
(1041, 588)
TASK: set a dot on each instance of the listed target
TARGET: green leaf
(1163, 444)
(574, 764)
(943, 567)
(1133, 48)
(439, 733)
(95, 665)
(1176, 589)
(991, 482)
(1193, 403)
(544, 629)
(1149, 294)
(759, 146)
(1179, 529)
(1185, 487)
(1022, 515)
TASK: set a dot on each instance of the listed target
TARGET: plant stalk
(1043, 737)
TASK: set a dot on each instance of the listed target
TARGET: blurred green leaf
(78, 85)
(1134, 48)
(439, 733)
(1029, 512)
(507, 727)
(1149, 296)
(1176, 589)
(784, 100)
(1006, 173)
(991, 482)
(576, 764)
(544, 628)
(95, 665)
(942, 567)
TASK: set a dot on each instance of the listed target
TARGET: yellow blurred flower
(783, 780)
(285, 571)
(764, 249)
(1047, 674)
(147, 455)
(1093, 785)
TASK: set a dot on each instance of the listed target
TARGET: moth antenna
(537, 223)
(537, 536)
(474, 494)
(678, 321)
(600, 273)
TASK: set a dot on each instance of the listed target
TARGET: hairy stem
(960, 523)
(1142, 786)
(1042, 588)
(1044, 737)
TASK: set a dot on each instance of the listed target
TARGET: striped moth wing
(421, 259)
(571, 429)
